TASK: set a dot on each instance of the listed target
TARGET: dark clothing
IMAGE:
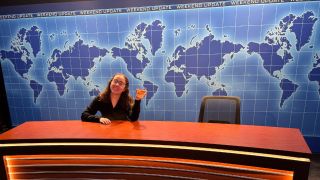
(107, 111)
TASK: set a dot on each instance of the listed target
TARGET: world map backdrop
(267, 54)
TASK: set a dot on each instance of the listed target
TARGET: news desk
(152, 150)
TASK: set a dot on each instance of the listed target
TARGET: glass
(141, 92)
(120, 83)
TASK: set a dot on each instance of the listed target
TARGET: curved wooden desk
(152, 149)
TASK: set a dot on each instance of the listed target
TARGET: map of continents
(77, 60)
(20, 56)
(275, 51)
(203, 59)
(135, 53)
(200, 60)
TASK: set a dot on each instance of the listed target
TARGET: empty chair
(220, 109)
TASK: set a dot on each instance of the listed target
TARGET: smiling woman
(114, 103)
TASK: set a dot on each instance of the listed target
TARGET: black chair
(220, 109)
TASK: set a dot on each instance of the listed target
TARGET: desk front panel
(279, 149)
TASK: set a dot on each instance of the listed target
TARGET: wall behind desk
(56, 57)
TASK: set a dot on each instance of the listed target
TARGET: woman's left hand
(140, 94)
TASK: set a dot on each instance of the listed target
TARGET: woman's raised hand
(140, 93)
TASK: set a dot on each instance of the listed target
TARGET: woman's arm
(89, 114)
(140, 94)
(135, 111)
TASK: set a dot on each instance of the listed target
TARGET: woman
(115, 103)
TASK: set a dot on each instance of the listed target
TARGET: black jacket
(106, 109)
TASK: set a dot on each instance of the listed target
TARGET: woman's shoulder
(101, 99)
(97, 99)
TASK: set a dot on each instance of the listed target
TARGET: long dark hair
(125, 100)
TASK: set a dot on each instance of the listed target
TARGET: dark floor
(314, 173)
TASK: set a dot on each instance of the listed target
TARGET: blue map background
(268, 55)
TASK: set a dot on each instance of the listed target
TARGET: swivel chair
(220, 109)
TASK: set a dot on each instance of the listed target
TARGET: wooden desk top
(261, 137)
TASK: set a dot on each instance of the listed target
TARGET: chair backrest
(220, 109)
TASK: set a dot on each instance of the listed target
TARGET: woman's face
(118, 84)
